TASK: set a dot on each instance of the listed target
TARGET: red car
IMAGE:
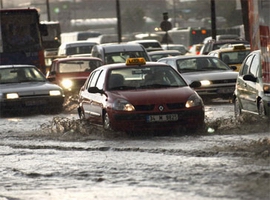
(70, 73)
(138, 96)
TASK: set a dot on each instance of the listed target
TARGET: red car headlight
(122, 104)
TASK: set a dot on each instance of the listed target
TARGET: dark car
(118, 53)
(138, 96)
(213, 45)
(252, 91)
(70, 73)
(217, 79)
(24, 87)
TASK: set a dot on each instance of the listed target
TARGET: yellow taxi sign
(135, 61)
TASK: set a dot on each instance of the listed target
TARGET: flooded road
(56, 157)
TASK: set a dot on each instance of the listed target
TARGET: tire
(81, 113)
(261, 109)
(237, 109)
(106, 122)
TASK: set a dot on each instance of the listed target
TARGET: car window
(171, 62)
(79, 50)
(200, 64)
(25, 74)
(216, 63)
(120, 57)
(101, 78)
(234, 57)
(246, 65)
(93, 79)
(78, 66)
(255, 65)
(53, 68)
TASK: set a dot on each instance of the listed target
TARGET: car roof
(16, 66)
(123, 65)
(188, 56)
(163, 52)
(77, 43)
(144, 41)
(120, 47)
(173, 45)
(76, 58)
(229, 41)
(229, 49)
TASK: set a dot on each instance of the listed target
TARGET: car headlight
(55, 92)
(194, 100)
(12, 96)
(205, 82)
(122, 104)
(67, 83)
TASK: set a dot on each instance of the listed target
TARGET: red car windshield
(144, 77)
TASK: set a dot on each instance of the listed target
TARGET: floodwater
(57, 157)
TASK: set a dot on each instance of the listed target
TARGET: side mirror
(233, 68)
(51, 79)
(50, 76)
(249, 77)
(195, 84)
(95, 90)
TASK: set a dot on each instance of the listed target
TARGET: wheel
(261, 109)
(81, 113)
(237, 109)
(106, 122)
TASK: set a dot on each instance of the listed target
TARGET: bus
(190, 35)
(21, 37)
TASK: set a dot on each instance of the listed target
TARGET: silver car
(24, 87)
(217, 79)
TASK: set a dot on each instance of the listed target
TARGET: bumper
(32, 102)
(193, 119)
(222, 92)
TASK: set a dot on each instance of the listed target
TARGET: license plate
(35, 102)
(225, 90)
(162, 118)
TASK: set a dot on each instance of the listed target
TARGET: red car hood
(164, 95)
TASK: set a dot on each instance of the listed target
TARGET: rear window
(121, 57)
(79, 66)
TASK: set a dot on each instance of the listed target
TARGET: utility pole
(48, 10)
(119, 30)
(213, 20)
(244, 5)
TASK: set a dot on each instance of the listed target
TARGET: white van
(76, 47)
(118, 53)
